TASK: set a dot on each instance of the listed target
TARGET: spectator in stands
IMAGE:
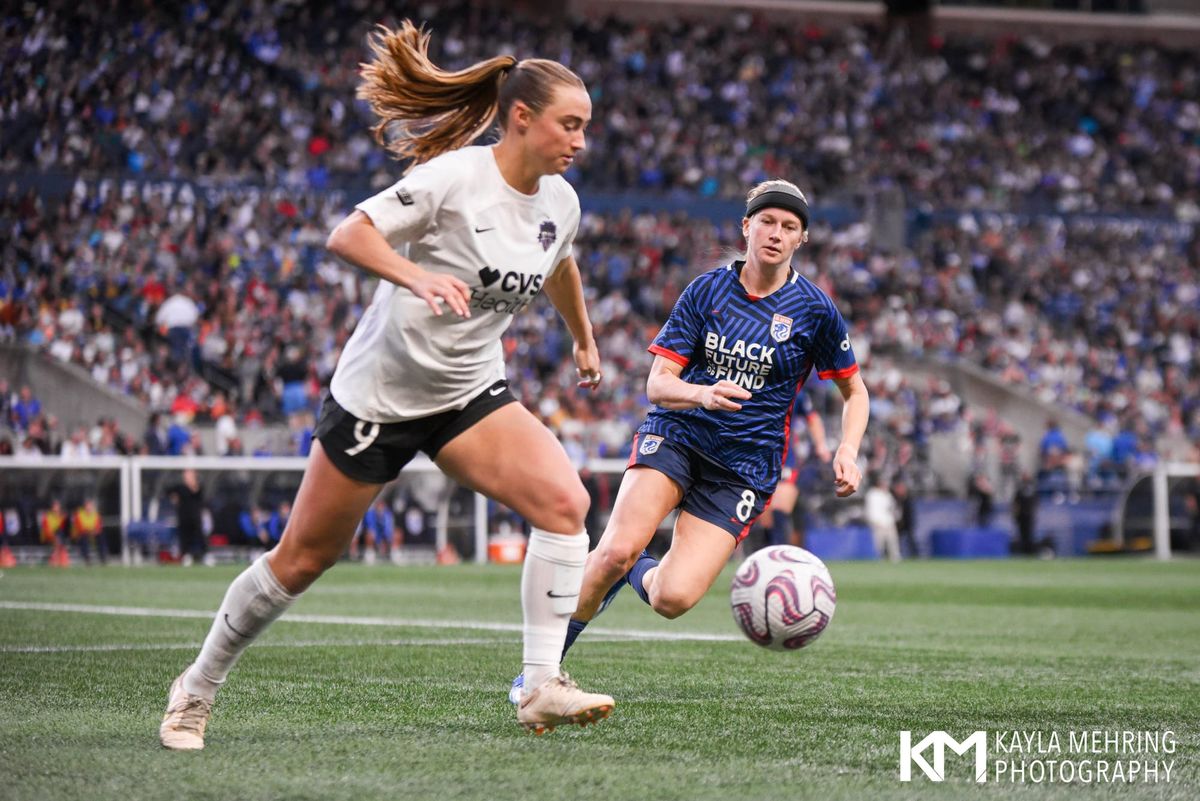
(300, 428)
(7, 401)
(37, 441)
(271, 530)
(53, 433)
(251, 523)
(87, 530)
(905, 514)
(1098, 442)
(28, 446)
(179, 435)
(881, 512)
(1125, 444)
(1024, 509)
(155, 440)
(982, 497)
(53, 532)
(176, 318)
(76, 448)
(224, 413)
(10, 530)
(188, 498)
(27, 409)
(1053, 447)
(379, 531)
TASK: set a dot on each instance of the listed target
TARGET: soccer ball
(782, 597)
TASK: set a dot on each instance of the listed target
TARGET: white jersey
(456, 215)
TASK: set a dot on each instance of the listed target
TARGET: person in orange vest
(86, 531)
(10, 527)
(53, 531)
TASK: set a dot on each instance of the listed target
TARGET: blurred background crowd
(1052, 193)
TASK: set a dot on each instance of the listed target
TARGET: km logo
(940, 741)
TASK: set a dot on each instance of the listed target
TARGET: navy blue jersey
(767, 345)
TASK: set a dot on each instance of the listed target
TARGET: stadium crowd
(264, 94)
(230, 309)
(1099, 318)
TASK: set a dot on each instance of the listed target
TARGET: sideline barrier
(970, 543)
(837, 544)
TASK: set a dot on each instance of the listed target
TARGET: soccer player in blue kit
(739, 343)
(787, 491)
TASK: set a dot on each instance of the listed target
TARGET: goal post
(14, 469)
(1163, 472)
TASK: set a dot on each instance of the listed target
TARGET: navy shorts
(376, 452)
(711, 492)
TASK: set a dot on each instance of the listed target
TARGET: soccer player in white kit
(483, 230)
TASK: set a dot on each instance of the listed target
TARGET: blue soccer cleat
(517, 689)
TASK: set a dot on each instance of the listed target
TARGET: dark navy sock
(780, 532)
(638, 572)
(574, 629)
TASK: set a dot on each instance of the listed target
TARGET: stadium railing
(139, 480)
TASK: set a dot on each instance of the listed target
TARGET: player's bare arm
(356, 240)
(564, 287)
(847, 475)
(667, 389)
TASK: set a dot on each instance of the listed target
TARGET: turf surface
(364, 694)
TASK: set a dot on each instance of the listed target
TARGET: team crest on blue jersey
(781, 328)
(650, 444)
(547, 234)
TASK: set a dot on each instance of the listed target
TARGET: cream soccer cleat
(183, 724)
(559, 702)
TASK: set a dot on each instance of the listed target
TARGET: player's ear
(520, 117)
(746, 228)
(804, 237)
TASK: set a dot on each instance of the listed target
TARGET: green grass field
(389, 683)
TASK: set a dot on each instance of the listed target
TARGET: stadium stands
(1052, 191)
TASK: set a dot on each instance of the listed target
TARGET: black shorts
(375, 453)
(711, 492)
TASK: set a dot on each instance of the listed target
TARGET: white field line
(191, 646)
(346, 620)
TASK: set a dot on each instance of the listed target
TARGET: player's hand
(846, 474)
(723, 396)
(587, 364)
(822, 453)
(436, 288)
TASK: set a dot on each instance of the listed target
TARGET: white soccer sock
(550, 583)
(253, 601)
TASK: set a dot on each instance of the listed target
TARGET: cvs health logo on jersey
(504, 292)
